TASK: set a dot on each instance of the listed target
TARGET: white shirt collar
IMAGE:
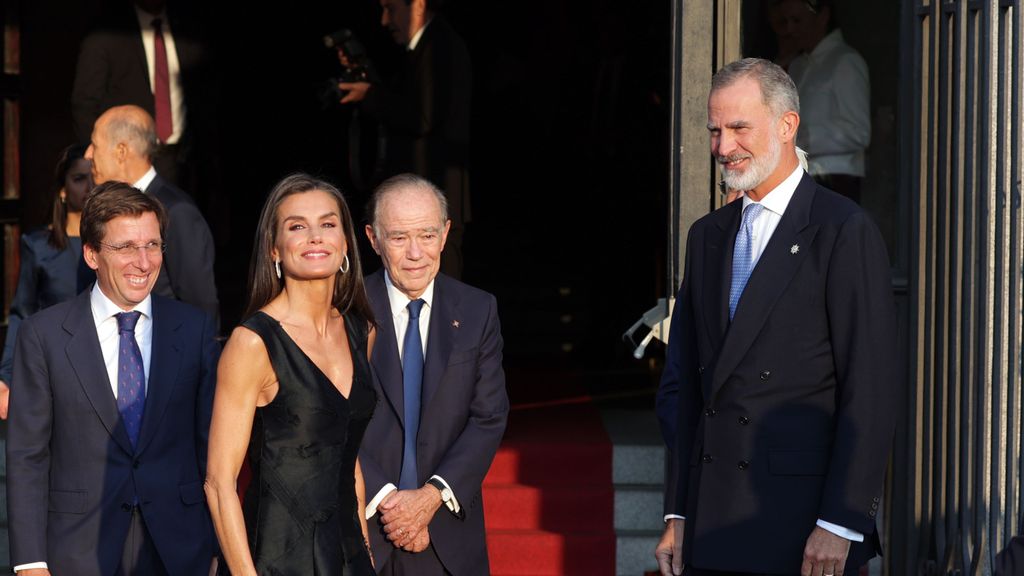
(419, 34)
(103, 307)
(778, 199)
(399, 301)
(830, 41)
(146, 180)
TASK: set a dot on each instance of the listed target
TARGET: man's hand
(406, 513)
(670, 549)
(420, 543)
(825, 554)
(5, 399)
(356, 91)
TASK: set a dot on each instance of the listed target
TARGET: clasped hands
(405, 515)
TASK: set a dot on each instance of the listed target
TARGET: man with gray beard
(781, 379)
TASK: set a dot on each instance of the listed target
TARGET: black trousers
(139, 557)
(402, 563)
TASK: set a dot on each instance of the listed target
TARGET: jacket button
(707, 458)
(871, 513)
(710, 412)
(126, 507)
(743, 465)
(766, 374)
(874, 506)
(744, 420)
(875, 499)
(135, 464)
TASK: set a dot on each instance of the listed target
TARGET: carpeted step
(552, 463)
(557, 509)
(542, 553)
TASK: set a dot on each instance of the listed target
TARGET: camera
(359, 70)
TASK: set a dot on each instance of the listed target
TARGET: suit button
(874, 506)
(126, 507)
(766, 374)
(707, 458)
(743, 465)
(744, 420)
(135, 464)
(875, 499)
(872, 513)
(710, 412)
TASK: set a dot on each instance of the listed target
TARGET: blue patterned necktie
(743, 255)
(412, 380)
(131, 377)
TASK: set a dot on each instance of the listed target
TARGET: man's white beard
(758, 171)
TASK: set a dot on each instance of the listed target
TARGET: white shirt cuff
(674, 517)
(21, 567)
(840, 531)
(371, 508)
(452, 504)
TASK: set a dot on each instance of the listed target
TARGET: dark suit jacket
(786, 414)
(463, 414)
(72, 473)
(112, 71)
(426, 112)
(46, 277)
(187, 272)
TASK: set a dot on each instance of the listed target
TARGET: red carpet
(548, 496)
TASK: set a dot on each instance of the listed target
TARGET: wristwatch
(446, 492)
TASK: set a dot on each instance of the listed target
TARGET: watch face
(446, 495)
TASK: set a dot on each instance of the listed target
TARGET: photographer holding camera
(424, 110)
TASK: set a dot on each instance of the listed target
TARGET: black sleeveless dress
(301, 512)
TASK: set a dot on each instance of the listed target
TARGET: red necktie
(161, 85)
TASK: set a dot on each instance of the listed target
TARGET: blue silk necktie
(743, 256)
(412, 380)
(131, 377)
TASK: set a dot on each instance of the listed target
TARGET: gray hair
(778, 92)
(401, 183)
(136, 130)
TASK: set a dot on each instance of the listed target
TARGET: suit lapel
(86, 359)
(769, 279)
(164, 363)
(718, 270)
(387, 365)
(443, 322)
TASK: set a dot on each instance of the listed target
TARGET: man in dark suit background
(781, 382)
(106, 449)
(425, 110)
(148, 54)
(122, 142)
(443, 405)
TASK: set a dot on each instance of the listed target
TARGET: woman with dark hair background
(294, 389)
(50, 257)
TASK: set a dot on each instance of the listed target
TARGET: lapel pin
(794, 249)
(455, 323)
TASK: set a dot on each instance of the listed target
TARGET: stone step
(634, 552)
(638, 508)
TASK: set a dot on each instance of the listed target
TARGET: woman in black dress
(294, 391)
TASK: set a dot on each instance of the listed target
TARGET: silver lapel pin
(794, 249)
(455, 323)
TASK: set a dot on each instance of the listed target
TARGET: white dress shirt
(104, 314)
(146, 180)
(173, 67)
(835, 106)
(775, 204)
(400, 317)
(104, 317)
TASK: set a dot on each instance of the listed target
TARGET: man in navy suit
(123, 141)
(781, 380)
(106, 449)
(443, 405)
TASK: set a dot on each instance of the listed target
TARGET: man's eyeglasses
(130, 248)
